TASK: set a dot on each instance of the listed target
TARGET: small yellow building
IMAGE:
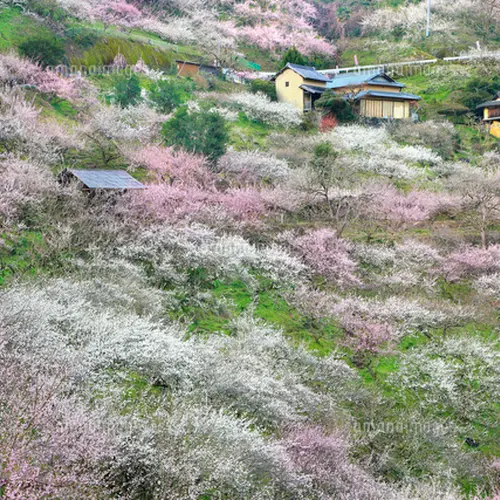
(491, 115)
(300, 85)
(373, 94)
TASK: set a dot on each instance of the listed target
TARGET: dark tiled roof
(489, 104)
(307, 72)
(313, 89)
(391, 95)
(106, 179)
(353, 79)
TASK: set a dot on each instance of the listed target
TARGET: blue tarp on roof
(107, 179)
(352, 79)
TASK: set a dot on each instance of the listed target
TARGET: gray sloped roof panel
(308, 72)
(372, 77)
(313, 89)
(489, 104)
(388, 84)
(391, 95)
(107, 179)
(349, 79)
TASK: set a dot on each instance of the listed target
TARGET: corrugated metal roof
(107, 179)
(392, 95)
(313, 89)
(352, 79)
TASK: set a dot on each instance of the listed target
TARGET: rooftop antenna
(428, 31)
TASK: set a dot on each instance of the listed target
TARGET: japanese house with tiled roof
(373, 94)
(491, 115)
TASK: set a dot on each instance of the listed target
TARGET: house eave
(393, 96)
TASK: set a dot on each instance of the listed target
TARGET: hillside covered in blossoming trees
(297, 306)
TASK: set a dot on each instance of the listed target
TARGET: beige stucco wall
(293, 94)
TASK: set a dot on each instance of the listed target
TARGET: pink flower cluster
(366, 336)
(119, 12)
(172, 167)
(281, 25)
(471, 261)
(326, 254)
(19, 71)
(324, 459)
(400, 210)
(185, 190)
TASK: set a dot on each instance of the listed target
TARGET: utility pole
(428, 32)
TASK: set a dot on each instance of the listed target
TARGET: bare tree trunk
(326, 194)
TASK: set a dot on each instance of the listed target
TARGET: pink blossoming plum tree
(117, 12)
(327, 255)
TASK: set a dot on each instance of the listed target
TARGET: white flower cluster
(220, 392)
(115, 283)
(23, 183)
(459, 374)
(373, 150)
(407, 315)
(412, 154)
(254, 166)
(489, 285)
(394, 169)
(357, 137)
(139, 123)
(228, 114)
(410, 254)
(254, 370)
(23, 130)
(259, 107)
(411, 18)
(220, 256)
